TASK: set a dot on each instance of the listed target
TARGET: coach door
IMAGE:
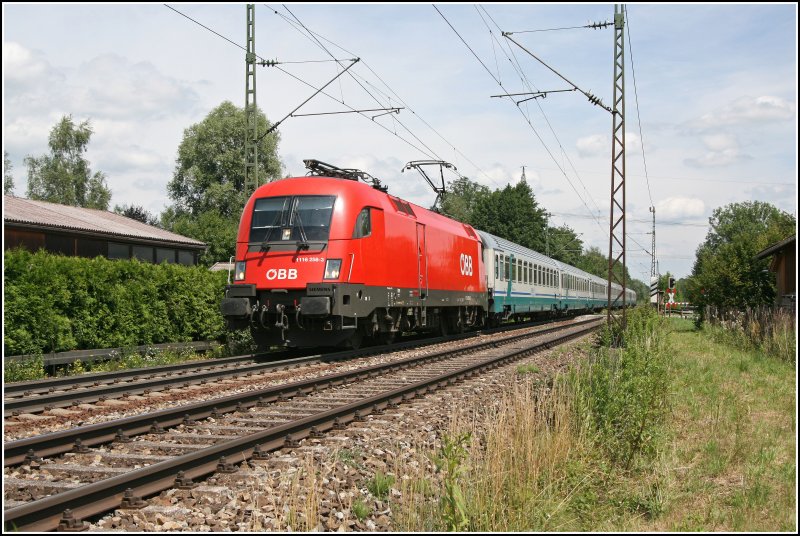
(422, 262)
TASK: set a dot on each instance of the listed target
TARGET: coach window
(363, 225)
(496, 268)
(507, 268)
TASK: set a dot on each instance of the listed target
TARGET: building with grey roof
(87, 232)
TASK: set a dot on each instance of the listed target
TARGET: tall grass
(620, 397)
(567, 459)
(768, 330)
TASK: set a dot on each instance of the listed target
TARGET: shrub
(57, 303)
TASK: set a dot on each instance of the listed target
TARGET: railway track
(208, 436)
(38, 396)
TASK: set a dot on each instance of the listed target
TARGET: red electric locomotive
(327, 260)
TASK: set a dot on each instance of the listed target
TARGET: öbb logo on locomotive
(281, 273)
(329, 260)
(466, 264)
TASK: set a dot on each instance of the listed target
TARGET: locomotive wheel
(386, 337)
(355, 340)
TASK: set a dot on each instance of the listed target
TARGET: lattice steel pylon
(251, 181)
(653, 267)
(616, 239)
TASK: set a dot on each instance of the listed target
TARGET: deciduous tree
(207, 187)
(64, 175)
(8, 178)
(461, 197)
(725, 269)
(137, 212)
(512, 213)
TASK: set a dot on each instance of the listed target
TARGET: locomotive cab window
(363, 224)
(299, 218)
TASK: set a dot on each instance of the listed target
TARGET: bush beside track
(54, 303)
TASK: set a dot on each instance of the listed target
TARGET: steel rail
(98, 497)
(43, 386)
(38, 397)
(94, 392)
(55, 443)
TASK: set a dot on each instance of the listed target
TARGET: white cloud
(594, 145)
(720, 142)
(674, 208)
(112, 86)
(600, 144)
(747, 110)
(21, 65)
(723, 151)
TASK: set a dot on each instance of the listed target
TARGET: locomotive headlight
(239, 272)
(332, 267)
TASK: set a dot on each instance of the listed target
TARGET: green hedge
(56, 303)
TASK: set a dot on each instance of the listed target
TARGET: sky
(716, 85)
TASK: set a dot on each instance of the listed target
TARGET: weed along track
(89, 470)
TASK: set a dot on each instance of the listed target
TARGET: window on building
(88, 247)
(185, 257)
(119, 251)
(57, 243)
(143, 253)
(165, 255)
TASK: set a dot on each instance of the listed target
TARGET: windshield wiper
(279, 216)
(303, 242)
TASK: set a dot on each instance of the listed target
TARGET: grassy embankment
(677, 432)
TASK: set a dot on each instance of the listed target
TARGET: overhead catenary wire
(592, 25)
(527, 119)
(636, 95)
(311, 34)
(431, 151)
(297, 78)
(515, 64)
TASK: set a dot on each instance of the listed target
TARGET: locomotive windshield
(302, 218)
